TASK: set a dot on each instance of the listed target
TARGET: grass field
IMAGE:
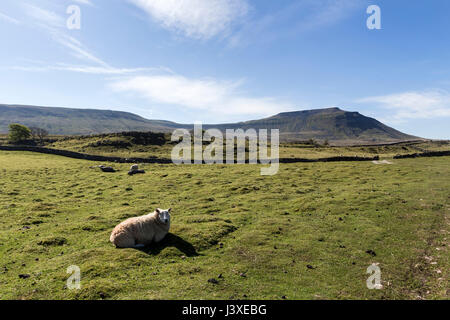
(309, 232)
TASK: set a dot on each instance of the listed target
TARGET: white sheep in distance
(141, 231)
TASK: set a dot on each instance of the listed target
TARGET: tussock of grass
(52, 241)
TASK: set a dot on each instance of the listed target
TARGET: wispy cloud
(209, 95)
(94, 70)
(298, 17)
(77, 48)
(9, 19)
(327, 12)
(54, 24)
(403, 106)
(200, 19)
(43, 17)
(86, 2)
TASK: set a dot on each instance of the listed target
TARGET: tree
(18, 133)
(39, 133)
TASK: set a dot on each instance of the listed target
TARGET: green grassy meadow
(309, 232)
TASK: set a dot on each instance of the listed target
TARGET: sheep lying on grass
(135, 170)
(107, 169)
(141, 231)
(104, 168)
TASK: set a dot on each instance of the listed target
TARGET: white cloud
(209, 95)
(95, 70)
(55, 25)
(329, 12)
(103, 70)
(8, 18)
(45, 18)
(413, 104)
(201, 19)
(295, 18)
(77, 48)
(87, 2)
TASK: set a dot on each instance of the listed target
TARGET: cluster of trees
(19, 133)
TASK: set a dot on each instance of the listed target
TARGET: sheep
(141, 231)
(107, 169)
(135, 170)
(104, 168)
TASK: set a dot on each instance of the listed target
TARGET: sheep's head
(164, 215)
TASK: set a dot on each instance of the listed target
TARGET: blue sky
(229, 60)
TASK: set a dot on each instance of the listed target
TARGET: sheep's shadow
(171, 240)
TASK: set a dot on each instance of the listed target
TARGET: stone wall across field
(424, 154)
(77, 155)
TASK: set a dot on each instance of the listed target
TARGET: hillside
(333, 124)
(65, 121)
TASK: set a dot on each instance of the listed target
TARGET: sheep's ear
(158, 210)
(170, 210)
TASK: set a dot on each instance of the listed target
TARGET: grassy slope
(77, 121)
(289, 150)
(84, 145)
(386, 151)
(271, 229)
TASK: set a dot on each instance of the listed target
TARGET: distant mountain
(332, 124)
(65, 121)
